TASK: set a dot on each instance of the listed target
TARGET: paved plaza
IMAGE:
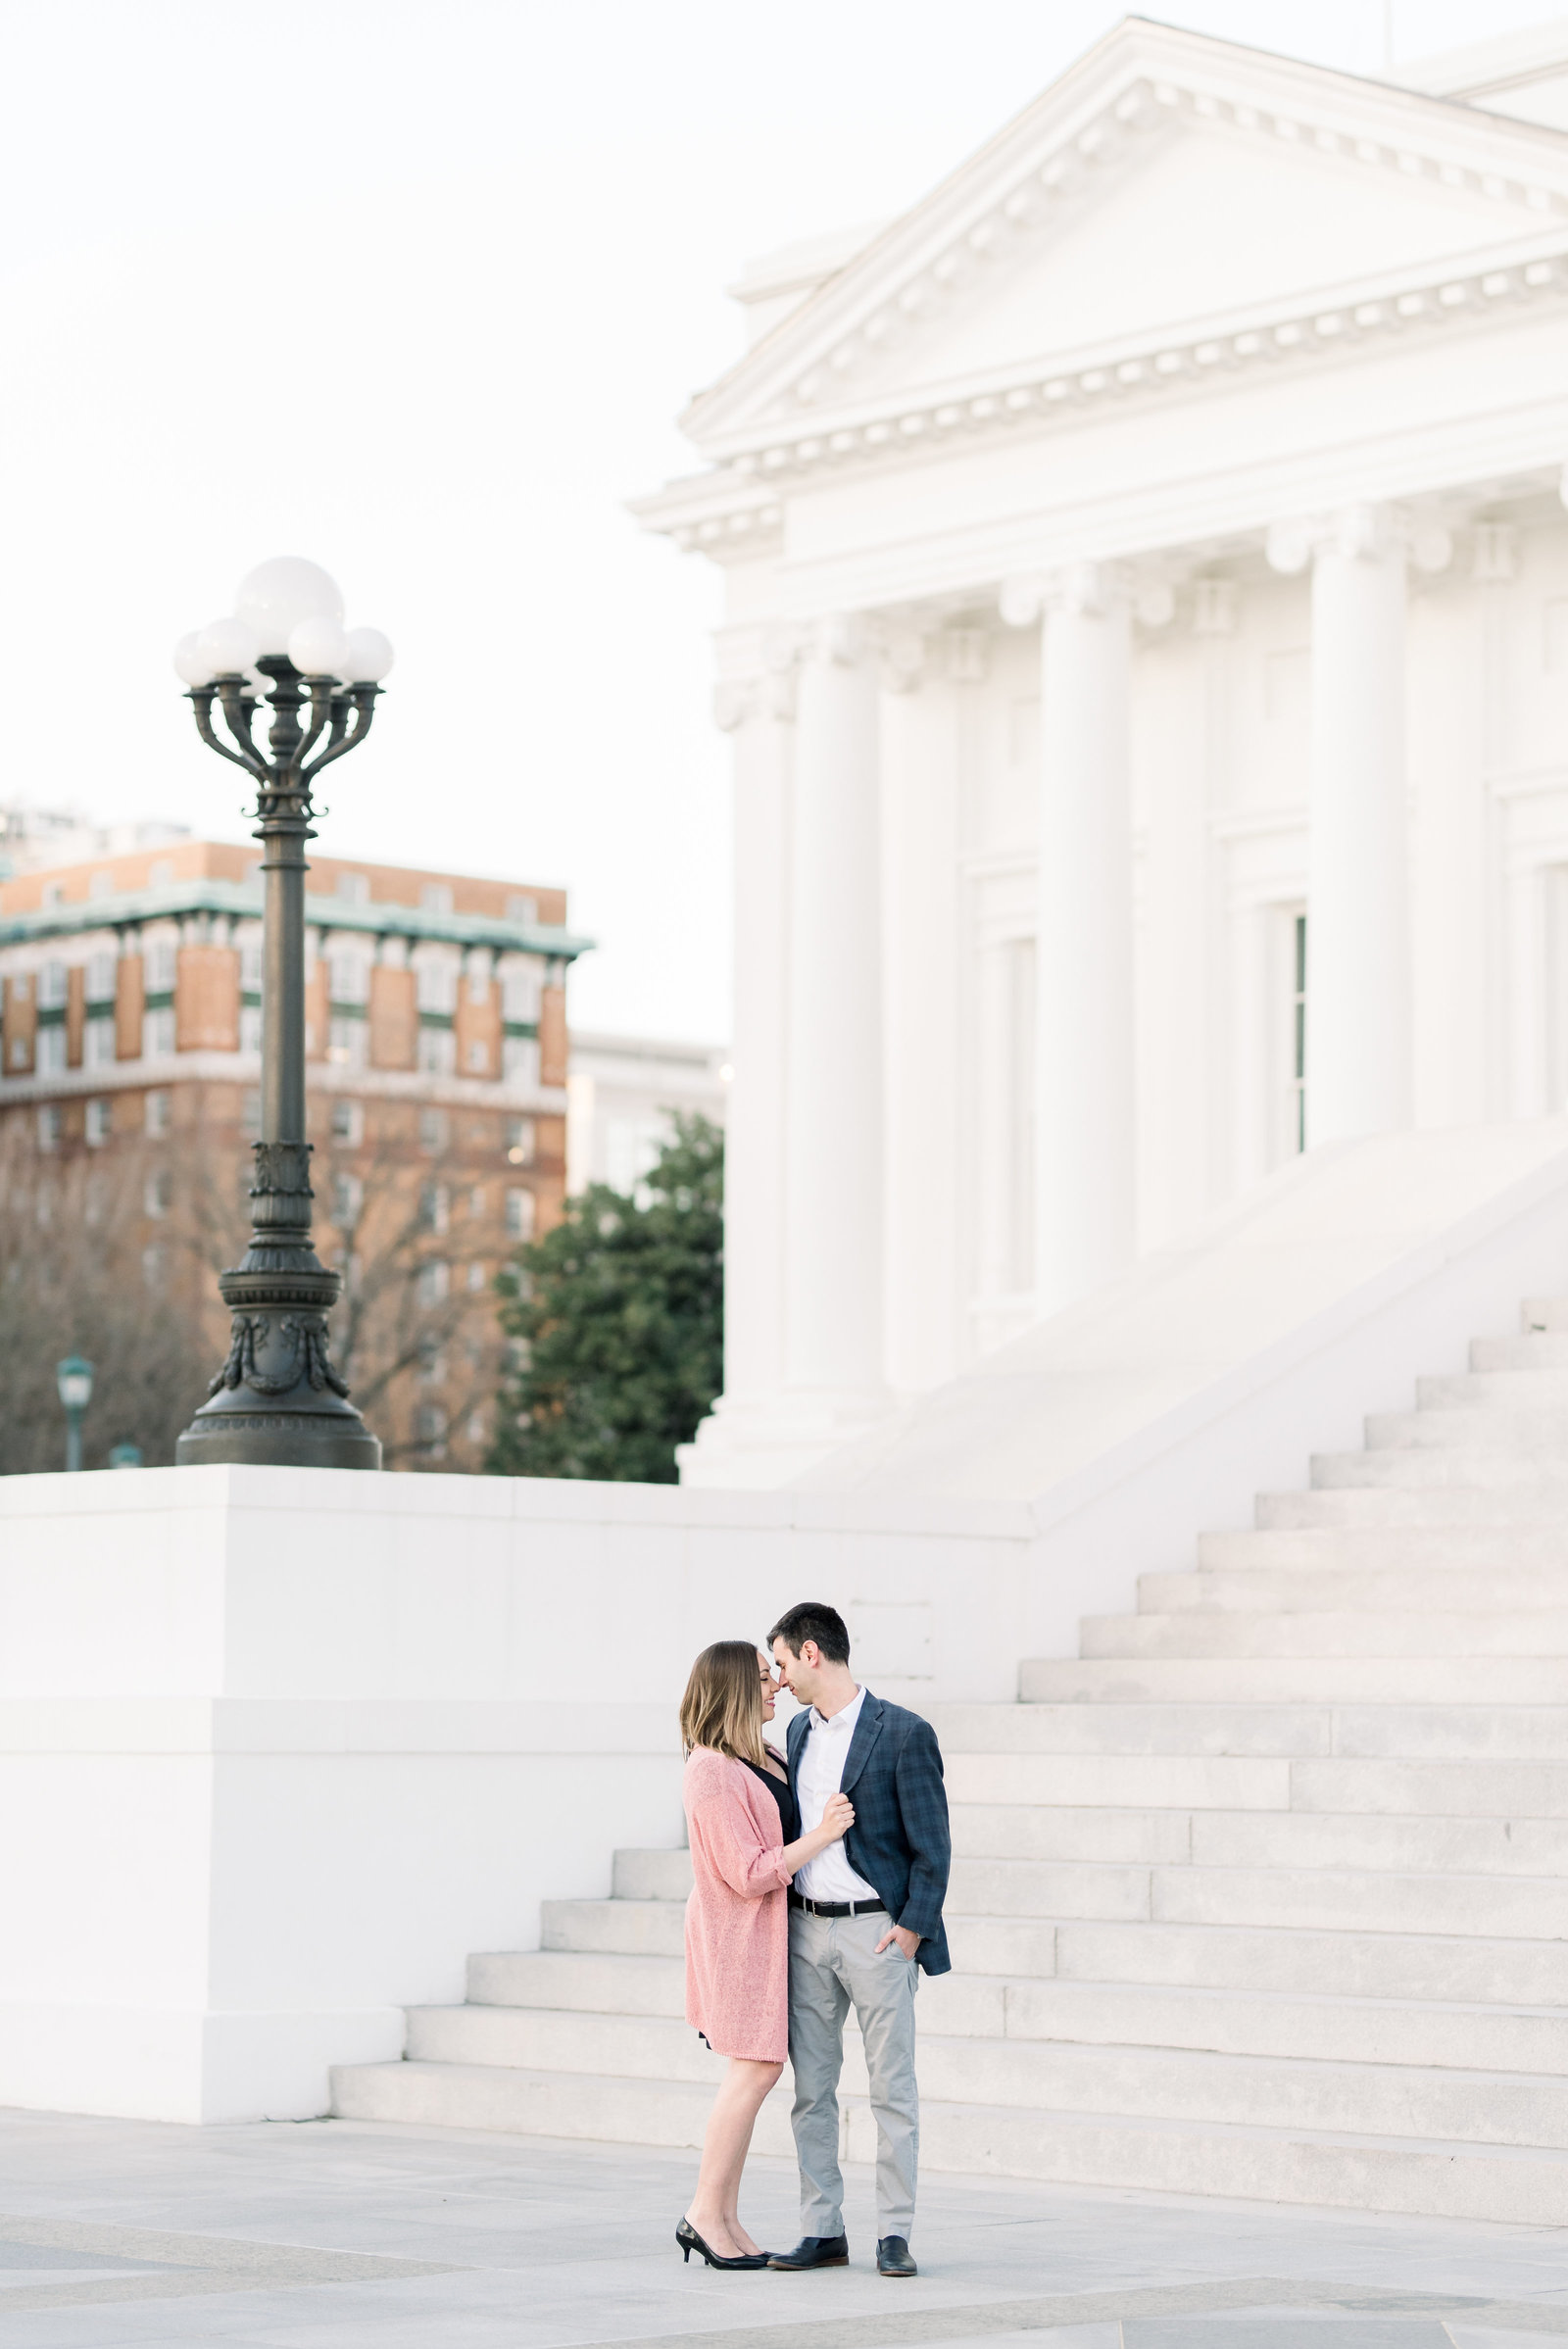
(345, 2235)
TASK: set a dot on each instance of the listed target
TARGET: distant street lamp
(73, 1378)
(278, 1401)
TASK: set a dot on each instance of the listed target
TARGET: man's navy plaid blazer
(898, 1842)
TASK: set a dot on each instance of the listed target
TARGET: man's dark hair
(810, 1620)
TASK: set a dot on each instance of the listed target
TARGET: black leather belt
(835, 1908)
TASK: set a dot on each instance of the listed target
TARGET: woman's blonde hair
(722, 1707)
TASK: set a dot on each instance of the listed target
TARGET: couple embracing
(818, 1882)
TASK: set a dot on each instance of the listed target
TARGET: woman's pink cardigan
(737, 1926)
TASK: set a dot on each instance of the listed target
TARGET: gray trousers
(833, 1966)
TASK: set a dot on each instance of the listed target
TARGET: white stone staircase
(1265, 1894)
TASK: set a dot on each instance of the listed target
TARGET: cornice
(734, 510)
(1140, 80)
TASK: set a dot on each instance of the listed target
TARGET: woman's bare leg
(728, 2138)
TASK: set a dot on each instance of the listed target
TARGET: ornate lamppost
(73, 1379)
(278, 1401)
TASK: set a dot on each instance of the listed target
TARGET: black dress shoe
(687, 2236)
(893, 2257)
(816, 2251)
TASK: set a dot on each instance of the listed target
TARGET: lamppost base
(277, 1440)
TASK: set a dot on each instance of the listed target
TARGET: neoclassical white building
(1146, 665)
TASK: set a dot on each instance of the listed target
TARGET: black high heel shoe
(687, 2236)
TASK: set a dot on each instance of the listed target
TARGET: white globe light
(366, 656)
(317, 648)
(227, 646)
(276, 595)
(191, 668)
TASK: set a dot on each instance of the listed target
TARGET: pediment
(1169, 185)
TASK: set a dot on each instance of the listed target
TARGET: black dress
(789, 1818)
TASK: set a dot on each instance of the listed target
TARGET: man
(864, 1915)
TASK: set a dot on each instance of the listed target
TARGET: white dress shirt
(829, 1877)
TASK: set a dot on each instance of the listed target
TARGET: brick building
(438, 1048)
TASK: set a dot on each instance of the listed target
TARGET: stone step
(585, 1981)
(1384, 1548)
(1531, 1386)
(1041, 1831)
(1306, 1960)
(1274, 2164)
(1427, 1505)
(1536, 1350)
(619, 1927)
(1263, 1892)
(1407, 2100)
(1497, 1790)
(1475, 1467)
(1346, 1590)
(1237, 2022)
(1522, 1432)
(1087, 1784)
(1218, 1632)
(1530, 1847)
(651, 1874)
(1290, 1680)
(1299, 1730)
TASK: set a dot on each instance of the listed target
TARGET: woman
(746, 1845)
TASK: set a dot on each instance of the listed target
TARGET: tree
(616, 1319)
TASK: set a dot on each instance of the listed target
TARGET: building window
(1287, 1044)
(153, 1258)
(52, 986)
(522, 1140)
(348, 1197)
(436, 897)
(1298, 1031)
(98, 1043)
(520, 992)
(18, 1052)
(101, 884)
(435, 986)
(476, 1204)
(100, 1123)
(354, 888)
(348, 978)
(432, 1360)
(434, 1281)
(519, 1063)
(348, 1122)
(250, 1028)
(51, 1060)
(161, 874)
(522, 910)
(51, 1124)
(431, 1427)
(160, 966)
(158, 1034)
(435, 1207)
(476, 1276)
(479, 1057)
(102, 971)
(439, 1052)
(250, 1113)
(520, 1214)
(345, 1043)
(54, 895)
(433, 1129)
(157, 1115)
(158, 1192)
(250, 966)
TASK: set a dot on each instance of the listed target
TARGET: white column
(754, 702)
(925, 682)
(1359, 924)
(834, 1154)
(1085, 1128)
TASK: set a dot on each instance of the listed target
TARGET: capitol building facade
(1146, 667)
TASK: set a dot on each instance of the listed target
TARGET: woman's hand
(837, 1818)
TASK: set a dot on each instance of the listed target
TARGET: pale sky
(417, 288)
